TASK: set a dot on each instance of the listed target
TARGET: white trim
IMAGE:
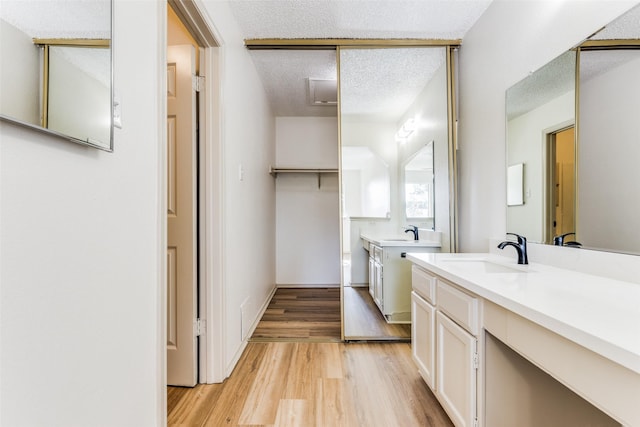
(161, 337)
(236, 357)
(212, 223)
(309, 285)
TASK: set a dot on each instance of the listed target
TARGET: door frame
(210, 180)
(548, 155)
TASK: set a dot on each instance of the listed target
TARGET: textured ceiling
(284, 73)
(558, 76)
(441, 19)
(59, 18)
(625, 27)
(383, 83)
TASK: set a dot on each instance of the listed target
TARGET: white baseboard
(308, 285)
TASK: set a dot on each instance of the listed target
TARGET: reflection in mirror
(394, 140)
(609, 150)
(418, 185)
(540, 120)
(55, 75)
(592, 203)
(365, 183)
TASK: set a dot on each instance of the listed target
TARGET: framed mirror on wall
(56, 72)
(580, 142)
(395, 139)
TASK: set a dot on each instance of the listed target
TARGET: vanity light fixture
(403, 134)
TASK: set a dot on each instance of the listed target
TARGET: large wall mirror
(581, 174)
(56, 70)
(395, 156)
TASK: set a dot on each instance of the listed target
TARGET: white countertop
(406, 242)
(598, 313)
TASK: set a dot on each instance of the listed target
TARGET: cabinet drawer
(459, 306)
(423, 283)
(377, 253)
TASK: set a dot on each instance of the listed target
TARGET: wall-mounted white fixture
(405, 131)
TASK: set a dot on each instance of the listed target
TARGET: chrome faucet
(414, 230)
(559, 241)
(521, 247)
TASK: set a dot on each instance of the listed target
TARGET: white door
(181, 217)
(456, 373)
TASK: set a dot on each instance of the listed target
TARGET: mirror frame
(76, 42)
(451, 48)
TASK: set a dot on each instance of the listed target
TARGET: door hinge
(199, 327)
(476, 361)
(198, 83)
(475, 422)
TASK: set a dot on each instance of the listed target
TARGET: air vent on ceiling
(323, 92)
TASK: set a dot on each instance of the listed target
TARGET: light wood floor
(363, 320)
(301, 314)
(313, 385)
(295, 373)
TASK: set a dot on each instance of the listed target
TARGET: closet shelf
(319, 171)
(275, 171)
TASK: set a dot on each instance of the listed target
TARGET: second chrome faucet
(520, 245)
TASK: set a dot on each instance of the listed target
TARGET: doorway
(198, 32)
(561, 191)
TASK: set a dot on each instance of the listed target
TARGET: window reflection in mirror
(418, 184)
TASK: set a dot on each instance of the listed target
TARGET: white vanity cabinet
(445, 325)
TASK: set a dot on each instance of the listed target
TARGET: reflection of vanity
(390, 273)
(488, 324)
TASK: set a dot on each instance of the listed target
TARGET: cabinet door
(423, 319)
(372, 275)
(378, 285)
(456, 371)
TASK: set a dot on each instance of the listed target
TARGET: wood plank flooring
(363, 320)
(301, 314)
(313, 385)
(295, 372)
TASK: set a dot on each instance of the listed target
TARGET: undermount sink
(479, 265)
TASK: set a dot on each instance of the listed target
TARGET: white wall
(527, 140)
(81, 260)
(510, 40)
(608, 154)
(248, 132)
(307, 209)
